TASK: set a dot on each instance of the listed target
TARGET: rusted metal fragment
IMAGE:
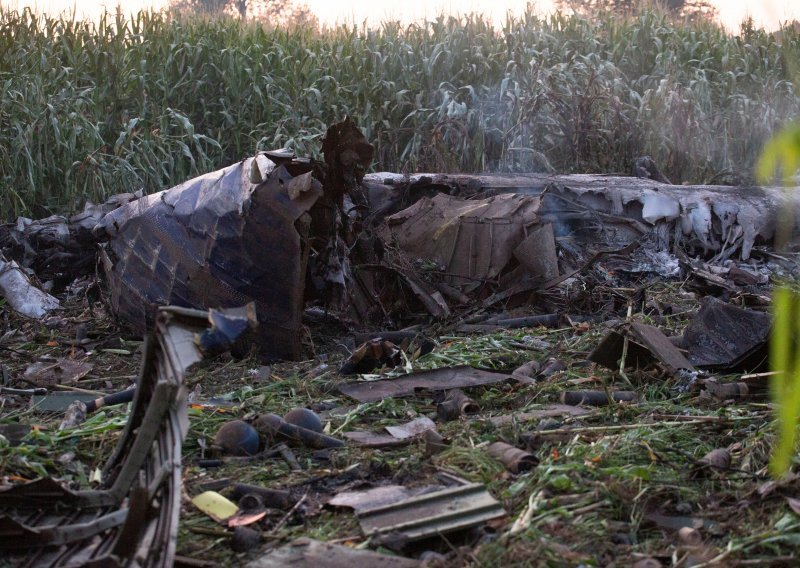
(723, 336)
(515, 460)
(216, 240)
(455, 404)
(133, 517)
(472, 240)
(447, 378)
(433, 514)
(308, 553)
(646, 345)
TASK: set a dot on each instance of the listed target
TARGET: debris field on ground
(409, 370)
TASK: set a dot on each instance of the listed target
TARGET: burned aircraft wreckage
(376, 249)
(298, 237)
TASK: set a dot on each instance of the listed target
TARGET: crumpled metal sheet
(720, 221)
(132, 520)
(473, 240)
(222, 239)
(723, 336)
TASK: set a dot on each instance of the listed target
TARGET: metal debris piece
(133, 517)
(378, 496)
(308, 553)
(550, 368)
(371, 355)
(259, 230)
(21, 294)
(515, 460)
(219, 240)
(401, 435)
(646, 345)
(726, 337)
(60, 372)
(375, 440)
(537, 253)
(473, 240)
(596, 397)
(446, 378)
(527, 372)
(456, 404)
(433, 514)
(412, 429)
(723, 220)
(434, 443)
(230, 330)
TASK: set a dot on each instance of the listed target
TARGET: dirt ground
(614, 486)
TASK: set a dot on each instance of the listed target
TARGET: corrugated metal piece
(133, 518)
(434, 513)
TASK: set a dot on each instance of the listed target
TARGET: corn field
(94, 108)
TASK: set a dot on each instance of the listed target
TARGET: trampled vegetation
(91, 109)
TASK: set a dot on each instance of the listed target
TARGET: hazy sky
(764, 12)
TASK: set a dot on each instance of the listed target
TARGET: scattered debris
(412, 429)
(726, 337)
(371, 355)
(21, 295)
(424, 285)
(515, 460)
(135, 511)
(378, 496)
(436, 379)
(433, 514)
(641, 345)
(456, 404)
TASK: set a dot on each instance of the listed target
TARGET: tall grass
(88, 109)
